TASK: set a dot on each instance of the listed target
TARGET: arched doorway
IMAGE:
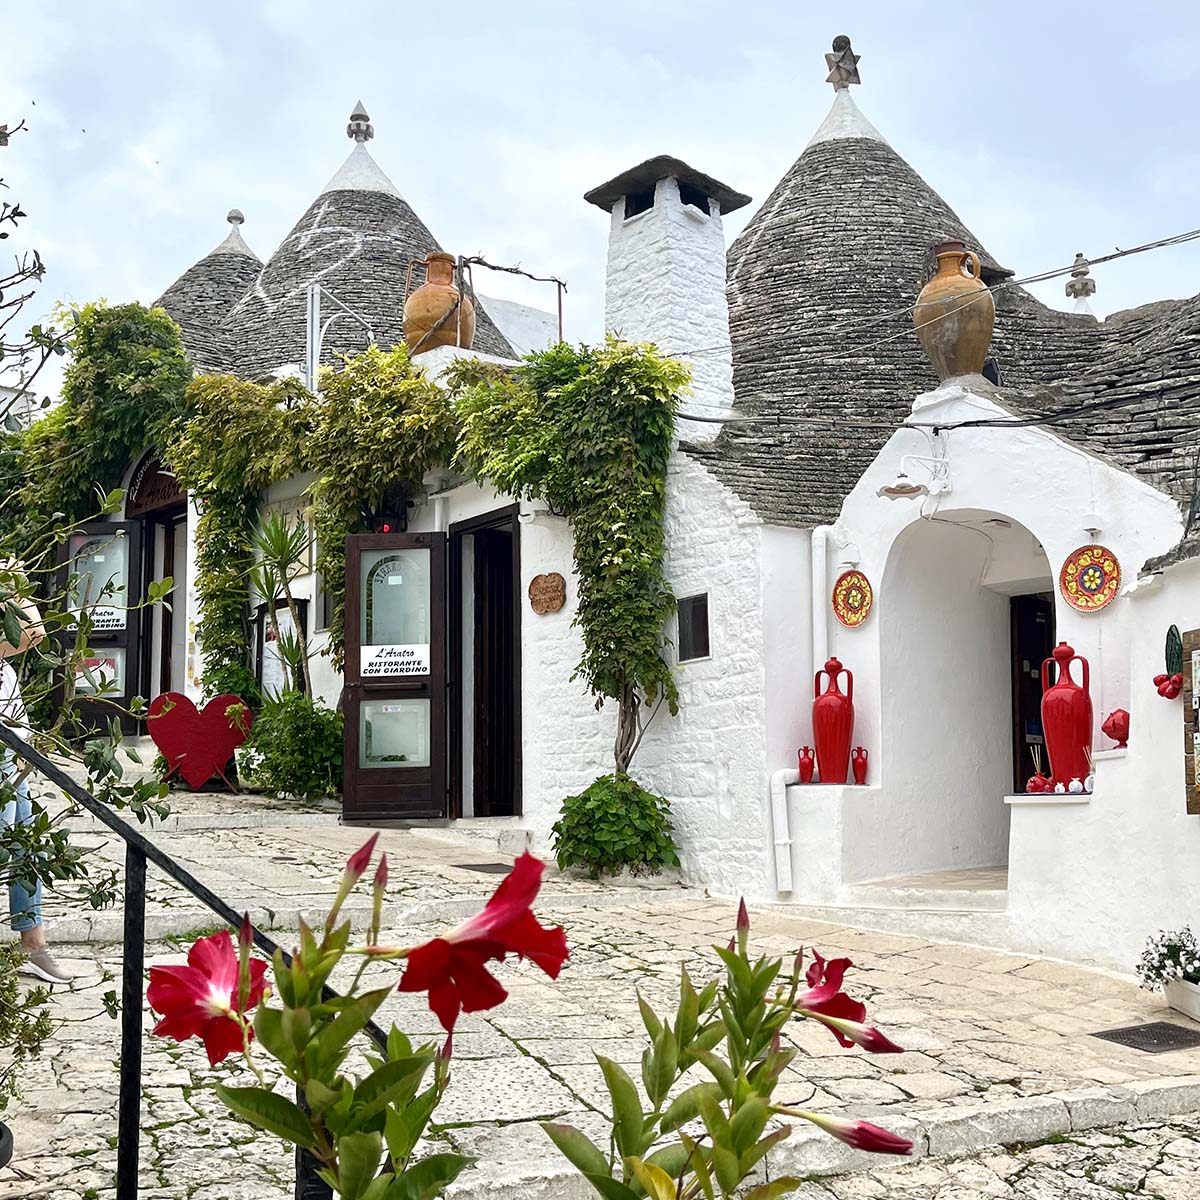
(968, 619)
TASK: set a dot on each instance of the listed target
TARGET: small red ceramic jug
(807, 763)
(1038, 784)
(858, 761)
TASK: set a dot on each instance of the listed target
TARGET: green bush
(294, 749)
(615, 823)
(24, 1022)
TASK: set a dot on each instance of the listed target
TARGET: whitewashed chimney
(666, 275)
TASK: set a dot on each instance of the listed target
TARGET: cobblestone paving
(1160, 1161)
(994, 1043)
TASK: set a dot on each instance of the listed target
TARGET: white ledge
(1108, 755)
(1031, 798)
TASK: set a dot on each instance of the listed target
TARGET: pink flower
(862, 1135)
(451, 968)
(200, 999)
(852, 1031)
(360, 860)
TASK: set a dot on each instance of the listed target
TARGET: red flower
(451, 968)
(199, 1000)
(840, 1013)
(862, 1135)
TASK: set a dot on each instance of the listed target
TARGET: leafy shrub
(294, 748)
(24, 1022)
(615, 823)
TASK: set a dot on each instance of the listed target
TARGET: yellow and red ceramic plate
(852, 598)
(1090, 578)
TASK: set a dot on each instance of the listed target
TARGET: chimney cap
(663, 166)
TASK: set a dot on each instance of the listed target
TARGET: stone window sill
(1028, 799)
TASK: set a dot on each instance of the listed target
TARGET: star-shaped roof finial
(842, 64)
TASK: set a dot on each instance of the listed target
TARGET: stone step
(916, 898)
(978, 926)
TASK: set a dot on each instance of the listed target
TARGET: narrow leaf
(577, 1148)
(627, 1108)
(358, 1163)
(270, 1111)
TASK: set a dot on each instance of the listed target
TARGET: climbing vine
(589, 430)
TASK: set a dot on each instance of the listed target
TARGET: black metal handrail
(138, 851)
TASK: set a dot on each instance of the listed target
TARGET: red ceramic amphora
(858, 761)
(833, 723)
(806, 763)
(1066, 716)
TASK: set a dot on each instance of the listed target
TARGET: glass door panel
(98, 568)
(393, 733)
(394, 612)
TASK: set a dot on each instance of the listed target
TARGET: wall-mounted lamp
(903, 487)
(1093, 523)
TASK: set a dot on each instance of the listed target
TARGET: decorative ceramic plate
(1090, 578)
(852, 598)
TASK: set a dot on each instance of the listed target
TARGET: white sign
(107, 618)
(394, 660)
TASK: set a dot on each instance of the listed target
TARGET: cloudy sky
(1049, 126)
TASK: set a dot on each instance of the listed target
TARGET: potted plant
(1172, 961)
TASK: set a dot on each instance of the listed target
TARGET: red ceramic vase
(1038, 784)
(1116, 726)
(807, 763)
(833, 723)
(858, 761)
(1066, 716)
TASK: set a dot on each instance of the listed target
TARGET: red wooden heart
(198, 744)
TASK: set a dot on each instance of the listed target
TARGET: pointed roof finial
(235, 216)
(360, 127)
(842, 64)
(1080, 286)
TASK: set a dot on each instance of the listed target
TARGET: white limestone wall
(666, 284)
(1032, 478)
(710, 760)
(1092, 880)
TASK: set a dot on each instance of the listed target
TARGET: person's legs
(25, 906)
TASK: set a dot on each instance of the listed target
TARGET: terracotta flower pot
(955, 314)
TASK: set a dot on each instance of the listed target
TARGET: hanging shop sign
(547, 593)
(1090, 578)
(853, 597)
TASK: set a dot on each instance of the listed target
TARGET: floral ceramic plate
(852, 598)
(1090, 578)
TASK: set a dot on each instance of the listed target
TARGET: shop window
(693, 628)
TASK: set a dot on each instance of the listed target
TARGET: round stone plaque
(547, 593)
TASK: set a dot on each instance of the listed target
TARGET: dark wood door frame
(395, 793)
(158, 524)
(501, 518)
(1023, 683)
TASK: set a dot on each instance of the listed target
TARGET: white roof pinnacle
(360, 173)
(845, 120)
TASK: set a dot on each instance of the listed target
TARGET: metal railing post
(309, 1185)
(133, 956)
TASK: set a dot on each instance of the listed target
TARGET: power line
(1177, 239)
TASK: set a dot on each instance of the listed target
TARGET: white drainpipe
(782, 779)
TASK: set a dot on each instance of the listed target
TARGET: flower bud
(358, 862)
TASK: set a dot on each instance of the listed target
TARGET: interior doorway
(485, 665)
(159, 505)
(1032, 643)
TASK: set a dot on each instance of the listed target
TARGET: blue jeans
(24, 908)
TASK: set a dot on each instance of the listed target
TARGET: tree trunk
(627, 729)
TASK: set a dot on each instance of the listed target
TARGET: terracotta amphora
(429, 303)
(955, 314)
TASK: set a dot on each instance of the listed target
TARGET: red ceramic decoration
(1090, 579)
(833, 723)
(858, 761)
(1066, 717)
(852, 598)
(1169, 686)
(1116, 726)
(806, 763)
(1038, 784)
(198, 744)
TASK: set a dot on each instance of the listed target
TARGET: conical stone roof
(357, 239)
(201, 298)
(820, 286)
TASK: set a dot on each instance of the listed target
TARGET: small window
(638, 202)
(693, 196)
(693, 628)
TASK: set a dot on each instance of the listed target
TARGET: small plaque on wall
(1191, 719)
(547, 593)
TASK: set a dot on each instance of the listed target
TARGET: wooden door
(102, 575)
(395, 692)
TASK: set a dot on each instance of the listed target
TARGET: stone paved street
(996, 1047)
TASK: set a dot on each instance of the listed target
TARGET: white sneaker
(40, 964)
